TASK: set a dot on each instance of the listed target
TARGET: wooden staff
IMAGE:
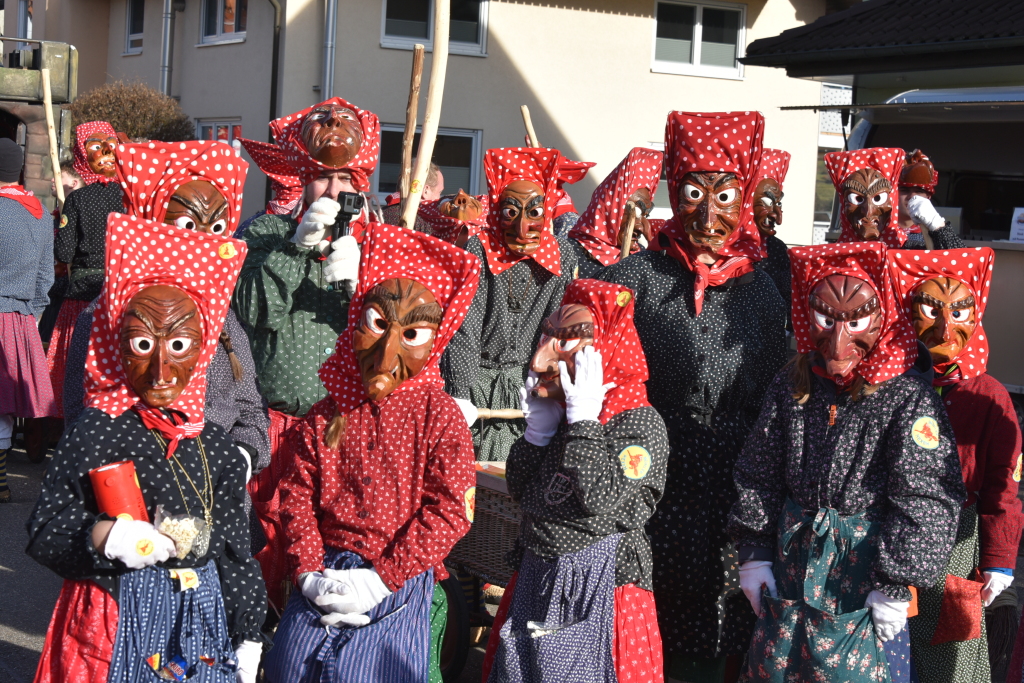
(631, 212)
(499, 414)
(530, 132)
(438, 67)
(410, 122)
(52, 134)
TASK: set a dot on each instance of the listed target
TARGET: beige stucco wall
(84, 24)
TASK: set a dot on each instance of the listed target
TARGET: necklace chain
(206, 497)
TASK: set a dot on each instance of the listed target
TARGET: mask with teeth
(944, 317)
(768, 206)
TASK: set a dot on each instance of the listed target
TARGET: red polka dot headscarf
(284, 181)
(886, 160)
(140, 254)
(597, 229)
(615, 336)
(83, 131)
(288, 134)
(450, 273)
(151, 172)
(971, 266)
(449, 229)
(774, 165)
(896, 349)
(548, 169)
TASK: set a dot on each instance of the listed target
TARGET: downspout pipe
(166, 47)
(275, 57)
(330, 32)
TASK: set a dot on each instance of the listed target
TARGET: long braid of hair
(236, 365)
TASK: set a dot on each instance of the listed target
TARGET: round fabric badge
(926, 433)
(636, 461)
(63, 220)
(623, 298)
(227, 251)
(145, 547)
(1017, 469)
(470, 503)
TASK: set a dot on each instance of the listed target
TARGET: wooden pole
(500, 414)
(52, 134)
(438, 67)
(411, 110)
(630, 225)
(530, 132)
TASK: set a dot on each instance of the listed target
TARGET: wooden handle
(630, 225)
(51, 132)
(438, 67)
(500, 414)
(411, 111)
(530, 132)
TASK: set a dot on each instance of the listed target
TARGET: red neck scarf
(151, 172)
(171, 425)
(615, 336)
(971, 266)
(288, 134)
(896, 349)
(140, 254)
(548, 169)
(885, 160)
(81, 162)
(284, 181)
(23, 197)
(450, 274)
(597, 229)
(727, 142)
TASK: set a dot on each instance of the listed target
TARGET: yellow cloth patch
(926, 433)
(1017, 469)
(636, 462)
(186, 578)
(63, 220)
(470, 503)
(227, 251)
(623, 298)
(145, 547)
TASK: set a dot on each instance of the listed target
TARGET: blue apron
(393, 648)
(157, 617)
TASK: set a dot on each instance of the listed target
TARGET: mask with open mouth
(768, 206)
(943, 311)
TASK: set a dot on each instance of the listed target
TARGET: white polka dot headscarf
(450, 273)
(447, 228)
(597, 229)
(548, 169)
(288, 134)
(886, 160)
(140, 254)
(774, 165)
(81, 160)
(284, 181)
(896, 349)
(971, 266)
(151, 172)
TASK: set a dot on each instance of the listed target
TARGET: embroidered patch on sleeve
(1017, 469)
(926, 432)
(63, 220)
(470, 503)
(636, 462)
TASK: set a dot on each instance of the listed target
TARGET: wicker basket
(482, 551)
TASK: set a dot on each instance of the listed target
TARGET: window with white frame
(133, 26)
(407, 22)
(456, 152)
(224, 20)
(224, 131)
(699, 39)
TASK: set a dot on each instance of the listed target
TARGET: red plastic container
(117, 490)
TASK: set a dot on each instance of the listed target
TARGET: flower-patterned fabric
(81, 159)
(886, 160)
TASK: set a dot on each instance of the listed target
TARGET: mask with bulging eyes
(768, 205)
(198, 205)
(563, 334)
(161, 340)
(332, 135)
(99, 154)
(867, 201)
(944, 314)
(709, 208)
(521, 216)
(395, 335)
(846, 322)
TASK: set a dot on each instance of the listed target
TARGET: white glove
(320, 216)
(247, 659)
(921, 210)
(138, 544)
(248, 463)
(363, 590)
(543, 415)
(584, 397)
(995, 583)
(342, 263)
(755, 574)
(469, 410)
(315, 585)
(889, 615)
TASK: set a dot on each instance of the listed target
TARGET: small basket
(495, 528)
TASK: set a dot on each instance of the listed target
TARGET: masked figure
(456, 218)
(768, 215)
(198, 188)
(918, 179)
(81, 236)
(945, 295)
(381, 481)
(598, 235)
(142, 593)
(852, 456)
(713, 329)
(285, 185)
(587, 476)
(526, 269)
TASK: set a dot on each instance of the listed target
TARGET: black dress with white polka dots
(776, 265)
(82, 236)
(586, 265)
(709, 374)
(583, 486)
(61, 523)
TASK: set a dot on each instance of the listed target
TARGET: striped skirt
(57, 353)
(25, 389)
